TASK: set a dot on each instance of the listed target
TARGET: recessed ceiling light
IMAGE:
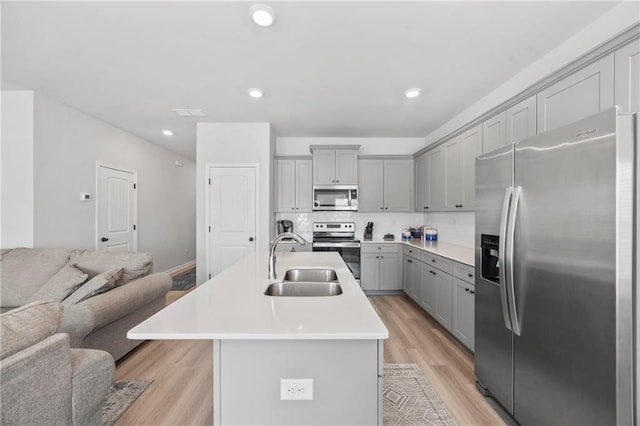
(167, 132)
(262, 15)
(412, 93)
(256, 93)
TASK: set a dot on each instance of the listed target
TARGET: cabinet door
(586, 92)
(324, 166)
(494, 133)
(429, 293)
(471, 145)
(370, 271)
(286, 185)
(370, 189)
(436, 179)
(422, 183)
(389, 274)
(346, 167)
(521, 120)
(463, 312)
(416, 285)
(304, 186)
(397, 185)
(408, 276)
(443, 299)
(627, 79)
(453, 173)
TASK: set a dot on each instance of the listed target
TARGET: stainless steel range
(339, 237)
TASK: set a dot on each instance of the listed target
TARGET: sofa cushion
(61, 285)
(28, 325)
(97, 285)
(134, 265)
(25, 270)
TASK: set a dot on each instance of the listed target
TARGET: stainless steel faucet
(272, 254)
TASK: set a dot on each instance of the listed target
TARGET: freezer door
(493, 341)
(575, 187)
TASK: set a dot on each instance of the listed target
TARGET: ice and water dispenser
(490, 266)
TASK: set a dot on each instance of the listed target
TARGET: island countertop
(232, 305)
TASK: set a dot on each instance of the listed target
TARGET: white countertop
(232, 305)
(455, 252)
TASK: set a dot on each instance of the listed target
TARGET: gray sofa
(101, 321)
(42, 380)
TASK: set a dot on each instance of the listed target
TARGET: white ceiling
(327, 68)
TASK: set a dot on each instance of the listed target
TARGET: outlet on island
(296, 389)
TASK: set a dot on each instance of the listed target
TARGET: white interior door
(116, 209)
(232, 213)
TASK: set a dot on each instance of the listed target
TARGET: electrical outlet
(296, 389)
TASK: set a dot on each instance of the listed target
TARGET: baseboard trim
(181, 268)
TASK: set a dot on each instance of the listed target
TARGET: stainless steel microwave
(335, 197)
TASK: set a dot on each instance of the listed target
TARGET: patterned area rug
(185, 280)
(410, 400)
(122, 394)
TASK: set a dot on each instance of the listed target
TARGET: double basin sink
(306, 283)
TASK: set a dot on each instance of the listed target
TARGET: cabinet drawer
(436, 262)
(390, 248)
(464, 272)
(411, 252)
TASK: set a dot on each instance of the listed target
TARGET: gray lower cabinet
(386, 185)
(444, 289)
(292, 246)
(585, 92)
(627, 78)
(380, 267)
(463, 312)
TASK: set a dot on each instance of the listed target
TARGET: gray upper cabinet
(460, 166)
(627, 79)
(385, 185)
(371, 187)
(521, 120)
(494, 133)
(398, 185)
(422, 183)
(335, 166)
(293, 186)
(436, 179)
(579, 95)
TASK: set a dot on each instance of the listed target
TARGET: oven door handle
(337, 245)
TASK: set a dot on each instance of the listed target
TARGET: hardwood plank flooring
(182, 391)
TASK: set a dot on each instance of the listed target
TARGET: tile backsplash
(455, 227)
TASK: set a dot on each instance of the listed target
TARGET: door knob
(103, 239)
(250, 238)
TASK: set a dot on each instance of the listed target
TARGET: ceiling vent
(188, 112)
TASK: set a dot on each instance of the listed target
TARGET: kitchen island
(266, 348)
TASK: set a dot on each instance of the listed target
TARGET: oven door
(350, 253)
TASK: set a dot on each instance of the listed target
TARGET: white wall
(234, 143)
(369, 146)
(17, 169)
(67, 145)
(598, 32)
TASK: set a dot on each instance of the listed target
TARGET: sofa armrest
(35, 384)
(92, 377)
(121, 301)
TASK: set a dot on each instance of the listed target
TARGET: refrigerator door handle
(510, 287)
(502, 239)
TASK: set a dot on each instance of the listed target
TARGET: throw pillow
(61, 285)
(97, 285)
(133, 264)
(28, 325)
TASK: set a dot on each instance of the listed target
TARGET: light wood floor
(182, 391)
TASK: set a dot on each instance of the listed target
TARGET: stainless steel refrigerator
(554, 339)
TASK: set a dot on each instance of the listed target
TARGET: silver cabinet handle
(511, 227)
(506, 204)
